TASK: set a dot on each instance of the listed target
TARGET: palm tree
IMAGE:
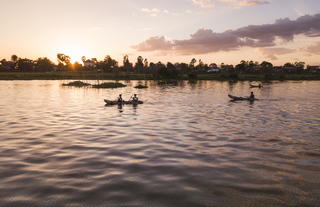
(14, 58)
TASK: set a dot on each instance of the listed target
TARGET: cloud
(273, 51)
(203, 3)
(206, 41)
(160, 43)
(154, 11)
(313, 49)
(243, 3)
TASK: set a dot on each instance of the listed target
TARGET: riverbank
(136, 76)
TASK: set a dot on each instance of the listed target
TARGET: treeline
(141, 65)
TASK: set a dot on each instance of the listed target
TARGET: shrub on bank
(109, 85)
(77, 84)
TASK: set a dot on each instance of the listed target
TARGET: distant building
(314, 69)
(213, 70)
(7, 65)
(89, 64)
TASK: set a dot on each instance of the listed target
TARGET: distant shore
(138, 76)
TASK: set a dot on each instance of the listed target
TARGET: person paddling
(135, 98)
(120, 100)
(251, 97)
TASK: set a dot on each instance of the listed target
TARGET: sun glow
(74, 49)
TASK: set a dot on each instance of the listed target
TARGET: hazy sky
(166, 30)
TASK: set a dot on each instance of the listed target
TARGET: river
(187, 145)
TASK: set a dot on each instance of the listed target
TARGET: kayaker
(251, 96)
(135, 98)
(120, 100)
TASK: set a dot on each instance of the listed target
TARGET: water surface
(188, 145)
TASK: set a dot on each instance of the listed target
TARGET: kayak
(108, 102)
(254, 86)
(237, 98)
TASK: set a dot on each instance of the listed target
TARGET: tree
(192, 63)
(14, 58)
(299, 65)
(145, 63)
(139, 64)
(108, 64)
(83, 59)
(288, 65)
(44, 65)
(200, 66)
(214, 65)
(266, 65)
(25, 65)
(126, 63)
(76, 66)
(243, 66)
(64, 59)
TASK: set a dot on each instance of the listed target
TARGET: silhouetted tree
(77, 66)
(44, 65)
(108, 64)
(83, 59)
(243, 66)
(266, 64)
(299, 65)
(213, 65)
(25, 65)
(192, 63)
(288, 65)
(14, 58)
(64, 59)
(200, 66)
(126, 63)
(145, 63)
(139, 64)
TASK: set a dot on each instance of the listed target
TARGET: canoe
(237, 98)
(255, 86)
(109, 102)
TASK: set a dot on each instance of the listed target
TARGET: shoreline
(137, 76)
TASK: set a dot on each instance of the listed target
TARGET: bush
(192, 76)
(268, 76)
(77, 84)
(234, 76)
(165, 73)
(140, 86)
(109, 85)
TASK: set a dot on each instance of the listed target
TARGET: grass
(141, 86)
(109, 85)
(168, 82)
(136, 76)
(77, 84)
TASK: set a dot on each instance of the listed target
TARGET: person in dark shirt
(251, 97)
(120, 100)
(135, 98)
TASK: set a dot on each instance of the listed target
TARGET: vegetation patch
(109, 85)
(168, 82)
(77, 84)
(141, 86)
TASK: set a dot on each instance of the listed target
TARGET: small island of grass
(141, 86)
(77, 84)
(109, 85)
(168, 82)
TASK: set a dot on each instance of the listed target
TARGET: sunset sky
(164, 30)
